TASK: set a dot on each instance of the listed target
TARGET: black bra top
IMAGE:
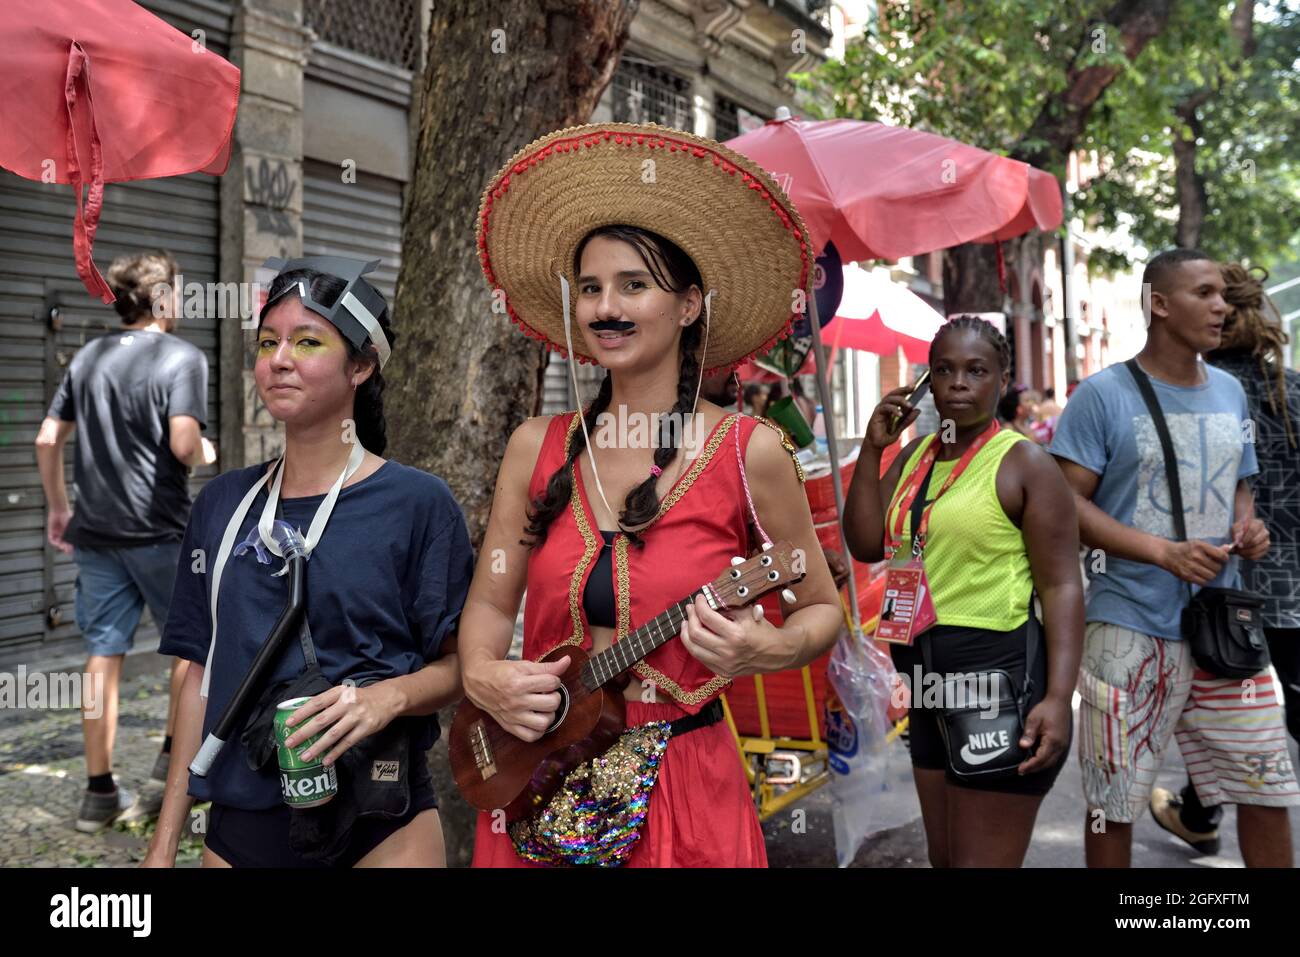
(598, 596)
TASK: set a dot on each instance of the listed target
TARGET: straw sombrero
(721, 208)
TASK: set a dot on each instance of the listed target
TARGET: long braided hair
(1255, 325)
(674, 271)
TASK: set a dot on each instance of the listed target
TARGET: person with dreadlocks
(1140, 685)
(1253, 349)
(991, 518)
(675, 258)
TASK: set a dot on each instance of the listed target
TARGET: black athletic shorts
(967, 650)
(261, 838)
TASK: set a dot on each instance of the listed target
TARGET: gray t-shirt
(1107, 429)
(120, 390)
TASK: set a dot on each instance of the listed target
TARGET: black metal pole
(286, 626)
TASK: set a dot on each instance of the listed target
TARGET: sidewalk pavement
(43, 775)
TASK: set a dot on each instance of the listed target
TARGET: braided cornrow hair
(1255, 324)
(981, 327)
(674, 271)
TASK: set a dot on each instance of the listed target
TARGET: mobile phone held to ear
(916, 395)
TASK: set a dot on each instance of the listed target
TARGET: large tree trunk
(1192, 201)
(1049, 141)
(499, 74)
(1189, 181)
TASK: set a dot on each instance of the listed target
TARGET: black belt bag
(983, 712)
(1225, 630)
(374, 775)
(1223, 626)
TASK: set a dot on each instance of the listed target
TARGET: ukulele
(496, 770)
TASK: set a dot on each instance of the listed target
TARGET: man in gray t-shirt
(137, 399)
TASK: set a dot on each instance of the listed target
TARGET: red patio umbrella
(879, 315)
(102, 91)
(884, 192)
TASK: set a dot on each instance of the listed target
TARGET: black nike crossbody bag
(983, 712)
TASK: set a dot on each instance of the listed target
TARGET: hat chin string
(704, 352)
(582, 416)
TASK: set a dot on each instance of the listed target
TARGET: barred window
(726, 122)
(387, 30)
(731, 119)
(648, 94)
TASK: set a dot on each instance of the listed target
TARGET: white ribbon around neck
(573, 377)
(314, 532)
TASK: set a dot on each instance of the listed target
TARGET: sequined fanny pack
(595, 818)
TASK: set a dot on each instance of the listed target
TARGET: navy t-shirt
(384, 586)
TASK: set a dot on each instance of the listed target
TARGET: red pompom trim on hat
(589, 140)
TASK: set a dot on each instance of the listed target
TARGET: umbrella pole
(828, 420)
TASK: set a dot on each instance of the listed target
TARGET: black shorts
(261, 838)
(967, 650)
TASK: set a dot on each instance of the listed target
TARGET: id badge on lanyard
(906, 607)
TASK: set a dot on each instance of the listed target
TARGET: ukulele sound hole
(561, 712)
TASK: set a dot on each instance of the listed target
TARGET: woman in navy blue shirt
(388, 569)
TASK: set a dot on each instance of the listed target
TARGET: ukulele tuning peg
(788, 596)
(738, 560)
(767, 546)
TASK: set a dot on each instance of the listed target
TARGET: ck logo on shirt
(1209, 449)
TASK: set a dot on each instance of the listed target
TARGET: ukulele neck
(622, 655)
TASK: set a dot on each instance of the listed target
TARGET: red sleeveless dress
(701, 812)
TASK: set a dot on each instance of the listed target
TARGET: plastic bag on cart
(871, 775)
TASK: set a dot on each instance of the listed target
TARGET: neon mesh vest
(975, 557)
(703, 522)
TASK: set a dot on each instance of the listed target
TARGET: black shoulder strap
(918, 503)
(308, 646)
(1166, 446)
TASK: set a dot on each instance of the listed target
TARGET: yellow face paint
(303, 346)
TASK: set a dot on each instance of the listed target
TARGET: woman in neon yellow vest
(997, 522)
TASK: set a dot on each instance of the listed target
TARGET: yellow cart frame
(754, 751)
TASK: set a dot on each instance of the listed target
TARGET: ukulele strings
(755, 575)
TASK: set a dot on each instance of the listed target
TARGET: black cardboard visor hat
(356, 312)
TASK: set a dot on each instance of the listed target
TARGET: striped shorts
(1139, 690)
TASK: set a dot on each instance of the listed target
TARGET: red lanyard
(909, 489)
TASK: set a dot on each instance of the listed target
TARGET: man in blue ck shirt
(1138, 682)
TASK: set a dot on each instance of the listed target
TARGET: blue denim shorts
(114, 585)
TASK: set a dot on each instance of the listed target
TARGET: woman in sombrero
(662, 257)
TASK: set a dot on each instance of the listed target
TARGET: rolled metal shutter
(362, 220)
(37, 275)
(557, 390)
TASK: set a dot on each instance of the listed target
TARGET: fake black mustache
(612, 325)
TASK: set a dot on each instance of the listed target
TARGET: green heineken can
(302, 783)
